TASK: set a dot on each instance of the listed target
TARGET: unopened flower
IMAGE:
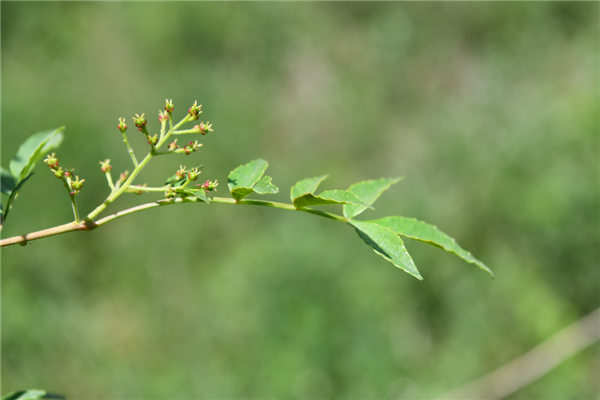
(140, 123)
(122, 125)
(193, 174)
(169, 107)
(209, 186)
(203, 128)
(191, 147)
(163, 116)
(52, 161)
(59, 172)
(105, 165)
(76, 185)
(173, 145)
(170, 193)
(194, 110)
(123, 176)
(181, 172)
(152, 140)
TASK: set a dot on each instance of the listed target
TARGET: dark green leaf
(326, 198)
(368, 192)
(265, 186)
(387, 244)
(308, 185)
(7, 182)
(424, 232)
(32, 150)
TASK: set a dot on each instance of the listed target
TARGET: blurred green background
(489, 111)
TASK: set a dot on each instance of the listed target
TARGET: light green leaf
(424, 232)
(248, 174)
(7, 182)
(368, 192)
(327, 197)
(31, 394)
(246, 179)
(387, 244)
(265, 186)
(201, 194)
(308, 185)
(32, 149)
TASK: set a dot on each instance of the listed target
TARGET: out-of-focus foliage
(489, 111)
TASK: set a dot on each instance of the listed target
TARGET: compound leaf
(243, 178)
(32, 149)
(368, 192)
(387, 244)
(7, 182)
(424, 232)
(327, 197)
(307, 185)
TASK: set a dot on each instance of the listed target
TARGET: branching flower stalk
(383, 235)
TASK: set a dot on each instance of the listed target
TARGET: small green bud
(181, 172)
(140, 123)
(105, 165)
(122, 125)
(59, 173)
(203, 128)
(170, 193)
(194, 110)
(169, 107)
(173, 145)
(152, 140)
(193, 174)
(163, 116)
(52, 161)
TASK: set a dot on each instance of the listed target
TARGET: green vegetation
(489, 111)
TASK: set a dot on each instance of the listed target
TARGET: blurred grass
(490, 111)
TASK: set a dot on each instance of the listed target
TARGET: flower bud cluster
(59, 172)
(193, 174)
(152, 140)
(76, 185)
(173, 145)
(181, 172)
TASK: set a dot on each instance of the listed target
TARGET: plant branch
(88, 225)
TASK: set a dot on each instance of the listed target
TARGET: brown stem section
(57, 230)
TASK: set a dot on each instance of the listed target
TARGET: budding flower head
(181, 172)
(163, 116)
(203, 128)
(105, 165)
(52, 161)
(169, 107)
(173, 145)
(193, 174)
(69, 172)
(122, 125)
(194, 110)
(140, 122)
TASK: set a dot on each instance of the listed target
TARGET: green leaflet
(7, 182)
(387, 244)
(246, 179)
(368, 192)
(32, 149)
(327, 197)
(307, 185)
(414, 229)
(265, 186)
(31, 394)
(201, 194)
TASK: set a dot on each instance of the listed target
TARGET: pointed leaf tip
(424, 232)
(387, 244)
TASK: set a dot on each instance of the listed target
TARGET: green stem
(88, 225)
(110, 181)
(130, 150)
